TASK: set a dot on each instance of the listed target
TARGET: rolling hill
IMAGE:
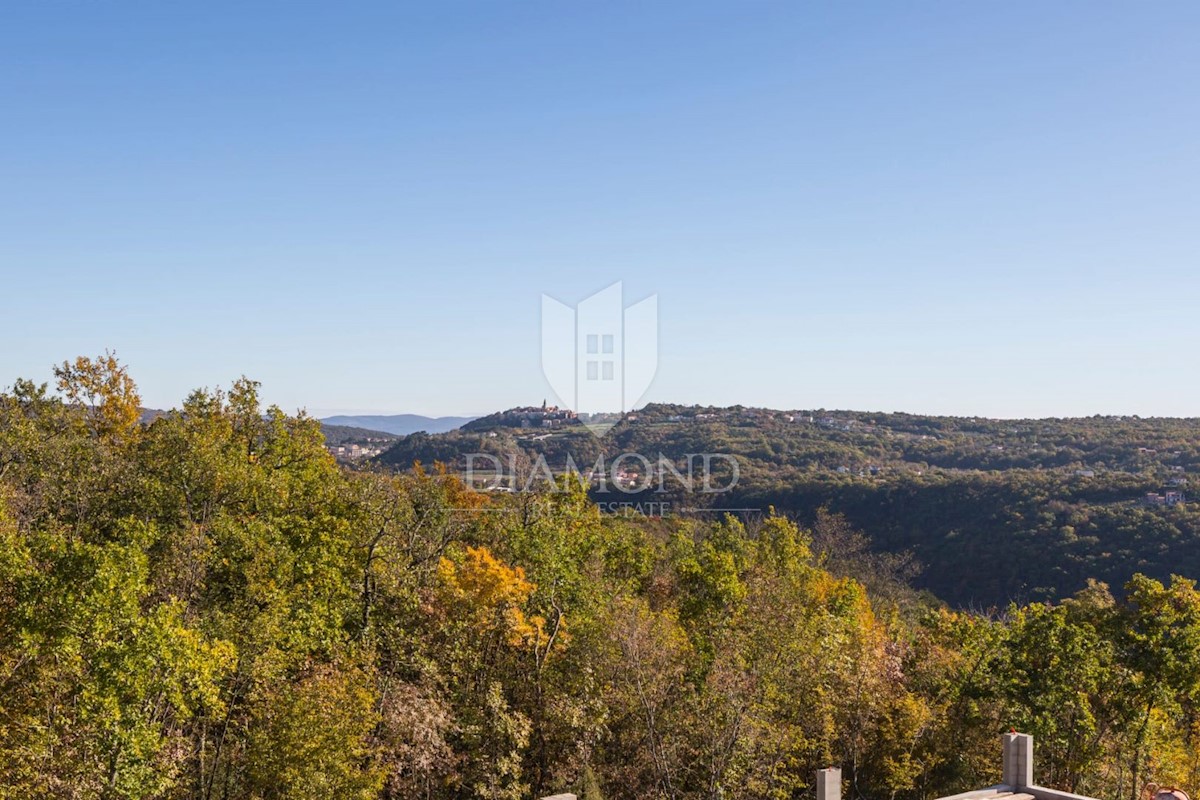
(995, 510)
(345, 434)
(399, 424)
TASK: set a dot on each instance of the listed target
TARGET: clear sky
(981, 207)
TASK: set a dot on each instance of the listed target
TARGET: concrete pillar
(1018, 760)
(829, 784)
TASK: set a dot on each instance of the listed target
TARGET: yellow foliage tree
(103, 388)
(489, 595)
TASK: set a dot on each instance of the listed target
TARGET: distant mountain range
(341, 429)
(399, 424)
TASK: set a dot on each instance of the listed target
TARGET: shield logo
(600, 357)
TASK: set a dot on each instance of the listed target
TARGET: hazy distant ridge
(399, 424)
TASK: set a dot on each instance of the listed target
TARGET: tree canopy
(207, 606)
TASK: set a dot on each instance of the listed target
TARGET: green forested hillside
(996, 510)
(208, 606)
(345, 434)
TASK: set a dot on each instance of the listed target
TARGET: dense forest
(343, 434)
(206, 605)
(995, 510)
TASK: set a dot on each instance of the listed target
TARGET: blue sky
(970, 208)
